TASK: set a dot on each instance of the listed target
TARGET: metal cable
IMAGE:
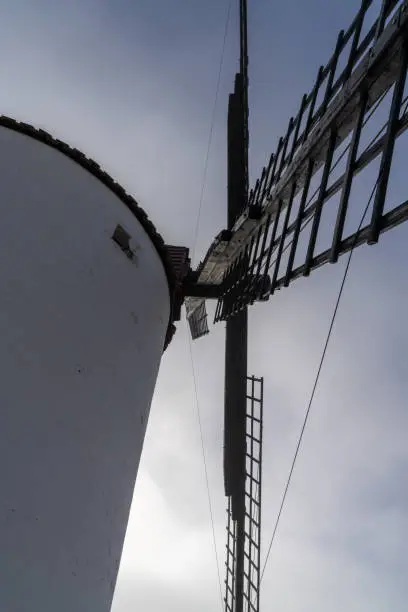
(317, 376)
(207, 482)
(207, 155)
(197, 225)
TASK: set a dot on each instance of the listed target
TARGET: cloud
(169, 552)
(136, 595)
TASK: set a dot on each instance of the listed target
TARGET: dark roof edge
(91, 166)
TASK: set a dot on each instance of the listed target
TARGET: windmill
(79, 252)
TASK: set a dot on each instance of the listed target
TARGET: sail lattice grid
(252, 519)
(297, 185)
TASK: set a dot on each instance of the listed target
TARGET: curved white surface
(82, 329)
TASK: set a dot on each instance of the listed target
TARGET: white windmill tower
(87, 307)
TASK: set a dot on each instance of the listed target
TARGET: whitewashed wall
(82, 329)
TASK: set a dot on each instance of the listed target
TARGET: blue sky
(132, 84)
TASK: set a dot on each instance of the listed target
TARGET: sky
(132, 84)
